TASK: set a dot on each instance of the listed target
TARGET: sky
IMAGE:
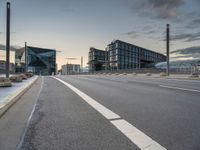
(73, 26)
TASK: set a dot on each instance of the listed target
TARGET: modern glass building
(181, 65)
(122, 55)
(39, 60)
(97, 59)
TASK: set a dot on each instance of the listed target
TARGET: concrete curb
(11, 99)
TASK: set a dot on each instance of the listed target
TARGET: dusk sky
(73, 26)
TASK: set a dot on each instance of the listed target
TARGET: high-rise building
(122, 55)
(97, 59)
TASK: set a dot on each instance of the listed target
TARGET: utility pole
(167, 46)
(8, 41)
(25, 52)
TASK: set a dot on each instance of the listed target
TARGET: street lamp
(8, 41)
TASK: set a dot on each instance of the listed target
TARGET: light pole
(8, 41)
(167, 47)
(26, 65)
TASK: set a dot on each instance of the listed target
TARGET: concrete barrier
(194, 76)
(148, 74)
(16, 78)
(5, 82)
(23, 76)
(163, 74)
(134, 74)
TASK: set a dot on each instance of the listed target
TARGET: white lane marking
(179, 88)
(100, 108)
(29, 119)
(140, 139)
(136, 136)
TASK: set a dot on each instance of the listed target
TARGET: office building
(97, 59)
(3, 67)
(39, 60)
(70, 69)
(122, 55)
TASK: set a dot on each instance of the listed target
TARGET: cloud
(186, 53)
(131, 34)
(156, 8)
(189, 50)
(12, 48)
(188, 37)
(150, 32)
(195, 23)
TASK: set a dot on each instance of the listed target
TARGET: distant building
(3, 67)
(85, 69)
(122, 55)
(181, 65)
(70, 69)
(39, 60)
(96, 59)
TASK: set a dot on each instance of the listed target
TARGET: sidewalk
(9, 95)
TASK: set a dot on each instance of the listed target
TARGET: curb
(13, 98)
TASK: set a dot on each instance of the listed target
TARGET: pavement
(13, 123)
(106, 112)
(7, 91)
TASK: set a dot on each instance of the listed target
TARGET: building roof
(40, 49)
(137, 46)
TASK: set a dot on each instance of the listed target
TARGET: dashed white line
(139, 138)
(179, 88)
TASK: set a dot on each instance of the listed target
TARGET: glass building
(122, 55)
(181, 65)
(97, 59)
(39, 60)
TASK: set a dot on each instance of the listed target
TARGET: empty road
(105, 112)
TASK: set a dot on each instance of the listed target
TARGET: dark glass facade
(122, 55)
(39, 60)
(96, 59)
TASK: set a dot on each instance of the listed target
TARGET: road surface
(100, 112)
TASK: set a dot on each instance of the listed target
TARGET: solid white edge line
(179, 88)
(139, 138)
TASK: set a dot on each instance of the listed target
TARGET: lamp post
(167, 47)
(8, 41)
(25, 52)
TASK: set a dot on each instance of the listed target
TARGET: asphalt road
(166, 110)
(14, 121)
(170, 115)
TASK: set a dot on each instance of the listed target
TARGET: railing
(140, 71)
